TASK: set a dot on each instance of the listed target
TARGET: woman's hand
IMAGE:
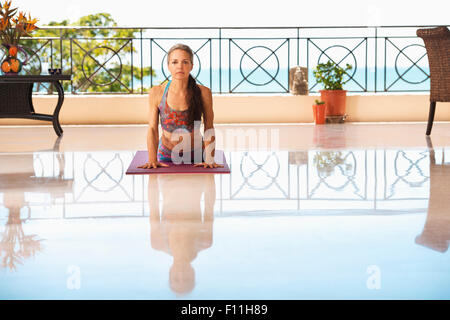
(153, 165)
(208, 165)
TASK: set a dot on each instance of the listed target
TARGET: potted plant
(12, 28)
(319, 110)
(331, 76)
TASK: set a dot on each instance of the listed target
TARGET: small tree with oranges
(13, 26)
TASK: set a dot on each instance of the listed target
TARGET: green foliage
(326, 162)
(317, 102)
(331, 75)
(89, 53)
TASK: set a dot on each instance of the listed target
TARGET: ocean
(272, 81)
(233, 81)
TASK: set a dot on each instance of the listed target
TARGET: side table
(16, 97)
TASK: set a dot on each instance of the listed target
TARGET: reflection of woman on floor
(180, 229)
(436, 232)
(180, 104)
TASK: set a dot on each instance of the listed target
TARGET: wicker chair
(437, 43)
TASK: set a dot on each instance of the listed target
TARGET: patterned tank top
(170, 118)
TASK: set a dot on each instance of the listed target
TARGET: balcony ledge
(237, 108)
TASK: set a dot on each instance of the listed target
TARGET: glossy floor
(354, 211)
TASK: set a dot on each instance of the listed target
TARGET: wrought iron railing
(230, 60)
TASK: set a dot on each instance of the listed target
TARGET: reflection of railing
(232, 60)
(352, 180)
(102, 185)
(409, 170)
(259, 181)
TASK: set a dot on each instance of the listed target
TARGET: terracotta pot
(335, 101)
(319, 111)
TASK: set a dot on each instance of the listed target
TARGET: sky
(245, 13)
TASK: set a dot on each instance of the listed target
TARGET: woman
(180, 104)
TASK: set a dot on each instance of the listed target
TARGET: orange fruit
(6, 67)
(13, 51)
(15, 65)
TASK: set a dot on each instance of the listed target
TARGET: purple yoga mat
(141, 157)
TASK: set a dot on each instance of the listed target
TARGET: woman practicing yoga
(180, 103)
